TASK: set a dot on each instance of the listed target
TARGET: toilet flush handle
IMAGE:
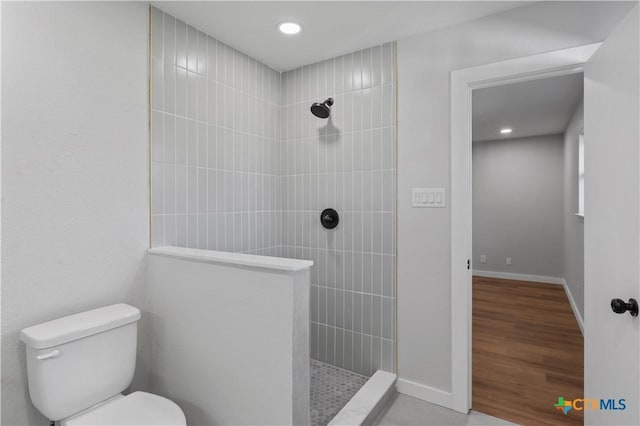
(53, 354)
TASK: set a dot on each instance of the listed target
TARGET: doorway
(611, 238)
(463, 83)
(527, 346)
(611, 244)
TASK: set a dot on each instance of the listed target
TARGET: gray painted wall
(74, 170)
(573, 229)
(518, 205)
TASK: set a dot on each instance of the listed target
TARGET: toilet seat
(135, 409)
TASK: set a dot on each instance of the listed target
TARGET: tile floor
(403, 410)
(331, 389)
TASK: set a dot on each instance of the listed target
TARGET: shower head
(322, 110)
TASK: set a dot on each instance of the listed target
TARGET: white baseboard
(540, 279)
(425, 393)
(574, 307)
(519, 277)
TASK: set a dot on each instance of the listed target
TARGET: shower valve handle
(329, 218)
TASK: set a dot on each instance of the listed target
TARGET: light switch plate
(428, 197)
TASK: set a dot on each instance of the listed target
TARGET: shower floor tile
(331, 389)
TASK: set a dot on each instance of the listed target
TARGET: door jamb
(463, 82)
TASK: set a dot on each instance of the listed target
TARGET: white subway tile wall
(347, 163)
(215, 144)
(240, 164)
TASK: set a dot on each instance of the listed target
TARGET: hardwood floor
(527, 351)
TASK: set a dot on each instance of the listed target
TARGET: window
(580, 176)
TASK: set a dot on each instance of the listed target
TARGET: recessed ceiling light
(505, 131)
(289, 28)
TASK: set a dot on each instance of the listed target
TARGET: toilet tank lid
(77, 326)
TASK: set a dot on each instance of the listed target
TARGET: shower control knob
(329, 218)
(619, 306)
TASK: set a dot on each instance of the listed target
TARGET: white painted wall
(230, 344)
(424, 238)
(573, 237)
(518, 205)
(74, 169)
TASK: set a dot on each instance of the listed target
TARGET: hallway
(527, 351)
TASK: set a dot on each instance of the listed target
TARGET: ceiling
(330, 28)
(537, 107)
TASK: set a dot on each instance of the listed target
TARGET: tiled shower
(346, 162)
(215, 144)
(240, 164)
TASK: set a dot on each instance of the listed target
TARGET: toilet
(78, 366)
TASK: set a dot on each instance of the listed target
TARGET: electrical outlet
(483, 259)
(508, 261)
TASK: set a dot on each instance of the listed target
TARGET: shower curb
(365, 405)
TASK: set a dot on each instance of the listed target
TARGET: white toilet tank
(80, 360)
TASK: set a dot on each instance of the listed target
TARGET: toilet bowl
(78, 366)
(137, 408)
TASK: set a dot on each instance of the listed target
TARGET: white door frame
(463, 82)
